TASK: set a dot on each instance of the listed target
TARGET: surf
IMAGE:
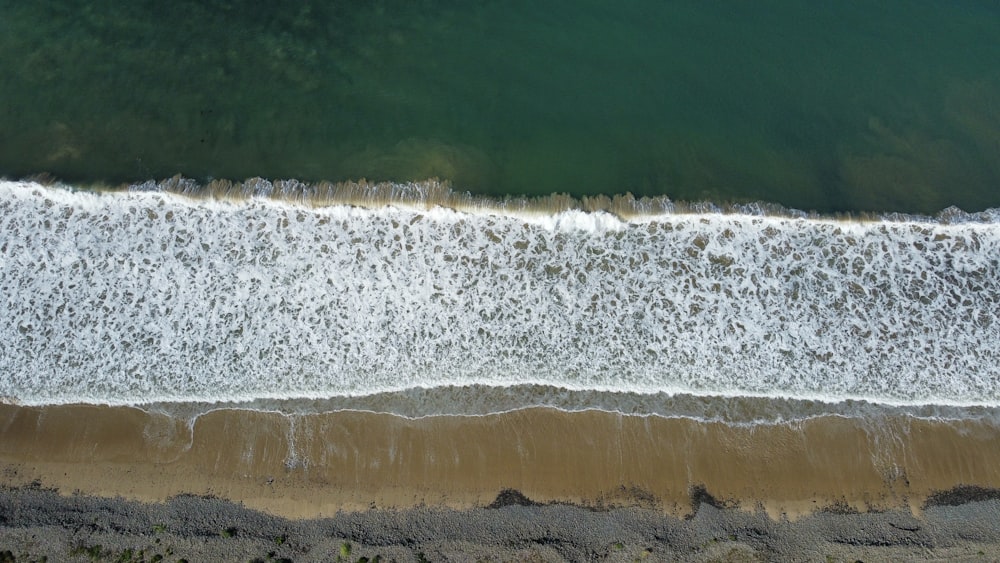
(151, 296)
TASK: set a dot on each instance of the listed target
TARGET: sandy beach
(88, 482)
(313, 466)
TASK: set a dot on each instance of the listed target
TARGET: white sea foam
(135, 298)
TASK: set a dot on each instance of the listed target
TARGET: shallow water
(840, 107)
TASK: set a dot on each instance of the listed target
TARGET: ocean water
(846, 106)
(710, 210)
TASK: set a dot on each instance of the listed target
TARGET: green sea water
(827, 106)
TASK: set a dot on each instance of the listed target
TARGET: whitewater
(146, 297)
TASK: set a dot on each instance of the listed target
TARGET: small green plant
(159, 528)
(618, 546)
(280, 540)
(228, 532)
(345, 550)
(94, 551)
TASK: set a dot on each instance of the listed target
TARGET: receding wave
(147, 297)
(482, 400)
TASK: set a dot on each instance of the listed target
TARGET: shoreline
(309, 466)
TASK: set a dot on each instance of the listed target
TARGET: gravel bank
(35, 523)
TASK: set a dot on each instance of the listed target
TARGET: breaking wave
(146, 296)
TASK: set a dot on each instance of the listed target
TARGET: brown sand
(316, 465)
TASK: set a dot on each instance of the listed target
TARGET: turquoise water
(834, 106)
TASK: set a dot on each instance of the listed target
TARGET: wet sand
(312, 466)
